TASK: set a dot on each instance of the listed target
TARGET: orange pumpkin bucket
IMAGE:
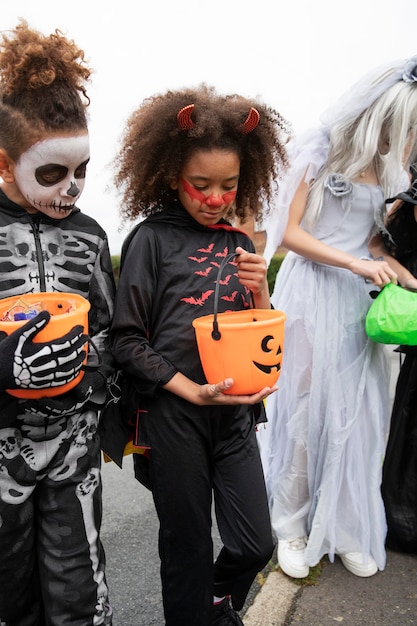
(244, 345)
(67, 310)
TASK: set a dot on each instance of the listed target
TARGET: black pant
(197, 452)
(399, 476)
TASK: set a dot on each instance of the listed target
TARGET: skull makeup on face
(51, 174)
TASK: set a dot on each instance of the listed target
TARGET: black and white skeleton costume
(50, 510)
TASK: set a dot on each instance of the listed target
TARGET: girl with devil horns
(190, 159)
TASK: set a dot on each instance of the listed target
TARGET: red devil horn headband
(251, 122)
(184, 117)
(186, 123)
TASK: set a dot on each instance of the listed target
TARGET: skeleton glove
(25, 364)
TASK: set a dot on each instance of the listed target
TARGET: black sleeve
(131, 327)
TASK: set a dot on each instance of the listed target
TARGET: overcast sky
(296, 55)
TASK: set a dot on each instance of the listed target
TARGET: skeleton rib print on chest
(43, 258)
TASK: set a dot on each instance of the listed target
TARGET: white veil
(308, 153)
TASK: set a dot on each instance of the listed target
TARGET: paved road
(129, 534)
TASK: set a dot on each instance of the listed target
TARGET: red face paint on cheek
(229, 197)
(215, 201)
(195, 194)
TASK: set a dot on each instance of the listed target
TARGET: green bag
(392, 317)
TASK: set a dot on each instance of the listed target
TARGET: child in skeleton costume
(52, 562)
(187, 159)
(324, 442)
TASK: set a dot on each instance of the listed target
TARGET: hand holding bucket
(48, 352)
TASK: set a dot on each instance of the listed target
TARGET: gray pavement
(130, 536)
(387, 599)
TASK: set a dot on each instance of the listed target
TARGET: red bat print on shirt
(224, 253)
(198, 260)
(200, 301)
(208, 249)
(230, 298)
(205, 272)
(226, 279)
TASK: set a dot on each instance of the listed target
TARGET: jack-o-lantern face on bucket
(248, 347)
(269, 346)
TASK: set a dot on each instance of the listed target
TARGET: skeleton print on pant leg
(17, 478)
(25, 456)
(85, 492)
(77, 446)
(62, 461)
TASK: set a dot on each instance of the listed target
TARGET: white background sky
(296, 55)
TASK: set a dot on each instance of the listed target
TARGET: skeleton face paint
(51, 174)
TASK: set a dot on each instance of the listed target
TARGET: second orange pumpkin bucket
(244, 345)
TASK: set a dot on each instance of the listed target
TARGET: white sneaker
(291, 557)
(358, 564)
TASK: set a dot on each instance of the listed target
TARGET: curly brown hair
(42, 87)
(154, 149)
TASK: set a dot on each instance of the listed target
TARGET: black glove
(25, 364)
(72, 401)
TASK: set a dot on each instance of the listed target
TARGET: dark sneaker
(225, 615)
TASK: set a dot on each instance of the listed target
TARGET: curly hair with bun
(42, 87)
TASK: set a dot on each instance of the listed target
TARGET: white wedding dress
(323, 445)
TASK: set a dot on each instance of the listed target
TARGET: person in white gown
(323, 445)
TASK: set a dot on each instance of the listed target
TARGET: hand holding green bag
(392, 317)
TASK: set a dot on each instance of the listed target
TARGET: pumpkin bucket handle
(216, 334)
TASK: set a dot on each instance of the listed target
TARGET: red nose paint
(214, 201)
